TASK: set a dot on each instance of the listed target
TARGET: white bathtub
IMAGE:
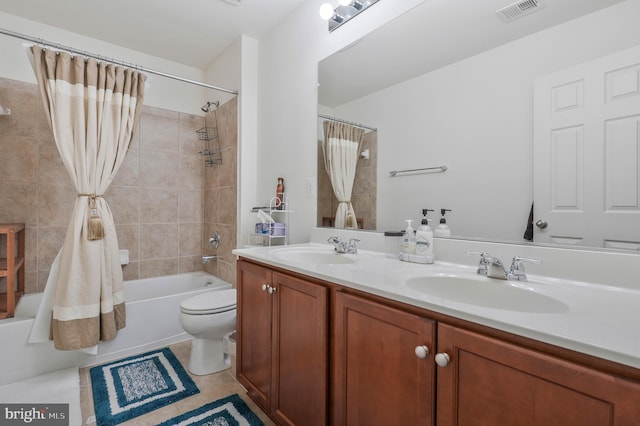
(153, 321)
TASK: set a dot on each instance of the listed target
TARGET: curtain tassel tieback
(95, 227)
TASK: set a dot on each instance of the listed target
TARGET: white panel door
(586, 153)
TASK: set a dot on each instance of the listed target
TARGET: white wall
(288, 60)
(161, 92)
(476, 117)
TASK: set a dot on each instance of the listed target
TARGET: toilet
(208, 317)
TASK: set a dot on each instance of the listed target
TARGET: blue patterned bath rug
(229, 411)
(136, 385)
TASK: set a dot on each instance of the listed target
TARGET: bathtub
(153, 321)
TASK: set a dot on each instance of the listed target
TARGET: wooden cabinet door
(491, 382)
(378, 379)
(254, 332)
(300, 352)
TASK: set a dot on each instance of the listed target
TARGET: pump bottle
(424, 240)
(408, 246)
(443, 229)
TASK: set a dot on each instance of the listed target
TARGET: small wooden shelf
(12, 267)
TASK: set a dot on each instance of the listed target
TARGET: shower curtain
(93, 108)
(341, 148)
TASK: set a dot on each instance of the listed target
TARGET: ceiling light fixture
(346, 10)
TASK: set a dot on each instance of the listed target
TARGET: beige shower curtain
(93, 108)
(341, 149)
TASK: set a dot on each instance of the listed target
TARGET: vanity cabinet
(283, 344)
(396, 364)
(383, 365)
(487, 381)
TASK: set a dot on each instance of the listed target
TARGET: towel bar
(442, 168)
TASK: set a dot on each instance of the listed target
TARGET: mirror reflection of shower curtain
(341, 148)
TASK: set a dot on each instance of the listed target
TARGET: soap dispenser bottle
(443, 229)
(408, 246)
(424, 240)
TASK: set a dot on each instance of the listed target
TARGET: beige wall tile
(19, 202)
(211, 202)
(158, 268)
(129, 170)
(19, 157)
(50, 239)
(228, 123)
(191, 205)
(55, 204)
(189, 142)
(228, 169)
(158, 241)
(130, 271)
(124, 203)
(159, 133)
(43, 276)
(190, 239)
(227, 272)
(190, 264)
(31, 281)
(191, 171)
(158, 169)
(25, 105)
(128, 239)
(51, 169)
(158, 205)
(226, 205)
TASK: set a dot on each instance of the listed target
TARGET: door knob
(541, 224)
(442, 359)
(264, 287)
(422, 351)
(271, 290)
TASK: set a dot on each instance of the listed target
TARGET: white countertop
(599, 320)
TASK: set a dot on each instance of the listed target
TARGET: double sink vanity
(345, 339)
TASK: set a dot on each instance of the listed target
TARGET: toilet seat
(212, 302)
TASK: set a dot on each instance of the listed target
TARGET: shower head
(208, 107)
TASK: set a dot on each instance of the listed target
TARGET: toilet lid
(210, 302)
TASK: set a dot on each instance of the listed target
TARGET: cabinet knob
(442, 359)
(422, 351)
(271, 290)
(264, 287)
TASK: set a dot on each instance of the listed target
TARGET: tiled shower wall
(162, 198)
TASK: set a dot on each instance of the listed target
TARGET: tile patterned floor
(212, 387)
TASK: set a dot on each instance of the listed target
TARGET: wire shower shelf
(209, 135)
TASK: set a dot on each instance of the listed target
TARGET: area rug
(227, 411)
(134, 386)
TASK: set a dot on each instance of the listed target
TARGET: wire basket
(210, 136)
(207, 133)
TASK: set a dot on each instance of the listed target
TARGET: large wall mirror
(452, 83)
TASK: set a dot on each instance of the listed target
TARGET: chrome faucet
(342, 247)
(493, 267)
(214, 239)
(207, 259)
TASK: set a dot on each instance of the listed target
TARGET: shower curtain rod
(71, 50)
(339, 120)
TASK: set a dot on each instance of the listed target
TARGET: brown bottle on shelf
(280, 194)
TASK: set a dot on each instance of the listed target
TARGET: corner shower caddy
(210, 136)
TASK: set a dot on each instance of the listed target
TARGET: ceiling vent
(519, 9)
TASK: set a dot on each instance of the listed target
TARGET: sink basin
(487, 292)
(315, 256)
